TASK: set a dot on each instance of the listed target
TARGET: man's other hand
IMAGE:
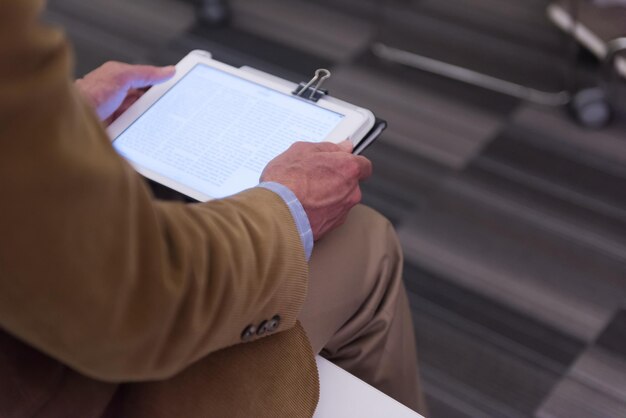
(324, 177)
(114, 86)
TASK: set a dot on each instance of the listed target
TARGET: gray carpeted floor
(513, 218)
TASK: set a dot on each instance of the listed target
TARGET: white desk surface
(343, 395)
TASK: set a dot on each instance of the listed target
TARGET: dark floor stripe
(613, 338)
(548, 343)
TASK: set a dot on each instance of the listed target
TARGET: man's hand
(324, 177)
(114, 86)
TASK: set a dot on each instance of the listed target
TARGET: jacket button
(248, 333)
(262, 328)
(273, 323)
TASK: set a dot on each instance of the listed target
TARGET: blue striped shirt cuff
(297, 211)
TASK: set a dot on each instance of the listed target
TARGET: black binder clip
(310, 92)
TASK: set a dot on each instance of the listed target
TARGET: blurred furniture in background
(600, 26)
(510, 81)
(591, 107)
(213, 12)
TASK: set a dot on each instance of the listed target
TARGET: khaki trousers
(357, 313)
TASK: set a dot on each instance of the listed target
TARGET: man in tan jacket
(113, 304)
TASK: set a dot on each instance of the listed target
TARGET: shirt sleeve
(297, 211)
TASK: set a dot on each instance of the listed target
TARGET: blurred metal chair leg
(466, 75)
(591, 107)
(594, 107)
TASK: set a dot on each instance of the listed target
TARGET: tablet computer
(210, 131)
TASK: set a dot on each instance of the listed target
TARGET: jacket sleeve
(93, 271)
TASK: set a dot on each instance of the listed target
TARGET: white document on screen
(216, 132)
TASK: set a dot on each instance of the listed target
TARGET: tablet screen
(215, 132)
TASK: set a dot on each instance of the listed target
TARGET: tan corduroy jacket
(113, 304)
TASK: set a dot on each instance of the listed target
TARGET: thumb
(140, 76)
(346, 145)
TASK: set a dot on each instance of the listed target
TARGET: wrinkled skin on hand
(115, 86)
(324, 177)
